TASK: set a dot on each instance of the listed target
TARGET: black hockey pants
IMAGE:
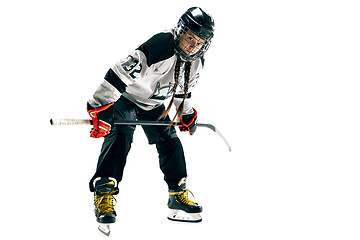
(117, 144)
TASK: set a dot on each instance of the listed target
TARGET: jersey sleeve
(138, 63)
(133, 68)
(180, 95)
(196, 69)
(125, 73)
(103, 95)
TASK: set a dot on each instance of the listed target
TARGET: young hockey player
(165, 66)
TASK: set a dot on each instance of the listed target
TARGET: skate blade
(181, 216)
(104, 229)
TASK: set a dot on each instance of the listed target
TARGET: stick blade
(213, 128)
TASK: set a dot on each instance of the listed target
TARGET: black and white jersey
(146, 76)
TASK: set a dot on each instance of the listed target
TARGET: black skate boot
(181, 207)
(104, 202)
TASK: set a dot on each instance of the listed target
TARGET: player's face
(190, 43)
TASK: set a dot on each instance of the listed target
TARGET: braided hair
(180, 109)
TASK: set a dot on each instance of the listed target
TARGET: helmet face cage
(194, 21)
(180, 30)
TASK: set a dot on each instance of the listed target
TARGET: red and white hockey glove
(189, 122)
(102, 119)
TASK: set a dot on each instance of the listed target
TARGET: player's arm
(189, 117)
(125, 72)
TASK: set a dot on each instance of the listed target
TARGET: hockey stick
(67, 121)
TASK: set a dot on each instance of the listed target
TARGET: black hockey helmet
(201, 24)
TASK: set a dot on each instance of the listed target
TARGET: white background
(281, 82)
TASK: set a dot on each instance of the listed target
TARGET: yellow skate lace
(105, 203)
(184, 197)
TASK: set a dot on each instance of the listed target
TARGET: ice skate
(104, 202)
(181, 207)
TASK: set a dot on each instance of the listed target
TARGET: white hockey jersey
(146, 76)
